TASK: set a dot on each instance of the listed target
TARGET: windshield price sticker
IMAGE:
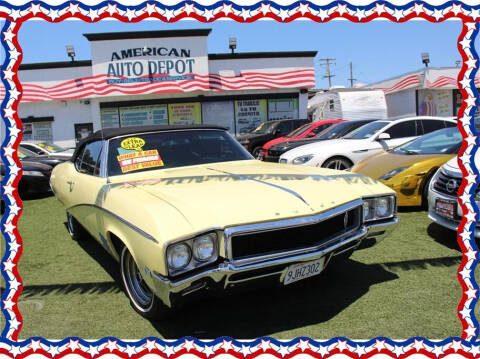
(133, 143)
(139, 160)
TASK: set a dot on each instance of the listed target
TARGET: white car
(443, 207)
(46, 148)
(364, 142)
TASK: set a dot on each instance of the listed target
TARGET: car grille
(447, 184)
(285, 240)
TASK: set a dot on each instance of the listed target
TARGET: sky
(378, 50)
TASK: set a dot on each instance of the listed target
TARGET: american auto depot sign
(150, 60)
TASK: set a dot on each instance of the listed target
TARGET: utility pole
(326, 62)
(351, 79)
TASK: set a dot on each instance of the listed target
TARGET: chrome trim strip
(244, 177)
(283, 224)
(116, 216)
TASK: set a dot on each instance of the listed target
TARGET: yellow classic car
(408, 169)
(186, 209)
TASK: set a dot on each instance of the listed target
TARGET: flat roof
(101, 36)
(261, 55)
(55, 65)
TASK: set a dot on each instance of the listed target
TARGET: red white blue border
(466, 346)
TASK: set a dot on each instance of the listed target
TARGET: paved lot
(403, 287)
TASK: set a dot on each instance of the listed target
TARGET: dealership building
(161, 77)
(429, 91)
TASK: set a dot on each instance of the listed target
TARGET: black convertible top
(122, 131)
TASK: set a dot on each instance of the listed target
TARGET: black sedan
(35, 178)
(51, 160)
(335, 131)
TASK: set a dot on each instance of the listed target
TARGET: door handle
(71, 183)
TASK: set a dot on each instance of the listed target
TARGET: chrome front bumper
(443, 221)
(226, 274)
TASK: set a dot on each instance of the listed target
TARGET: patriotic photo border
(466, 346)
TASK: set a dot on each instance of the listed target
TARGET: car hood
(294, 143)
(275, 141)
(321, 146)
(234, 193)
(384, 162)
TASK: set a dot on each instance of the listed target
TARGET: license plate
(301, 271)
(446, 208)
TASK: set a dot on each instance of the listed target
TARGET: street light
(232, 43)
(425, 58)
(71, 52)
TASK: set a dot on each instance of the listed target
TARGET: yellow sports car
(186, 209)
(407, 169)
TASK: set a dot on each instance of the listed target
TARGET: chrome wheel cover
(137, 288)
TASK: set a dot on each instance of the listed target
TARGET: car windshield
(299, 131)
(264, 128)
(160, 150)
(337, 130)
(50, 147)
(367, 131)
(23, 152)
(444, 141)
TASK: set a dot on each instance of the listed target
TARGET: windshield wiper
(408, 152)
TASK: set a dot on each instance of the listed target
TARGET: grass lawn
(405, 286)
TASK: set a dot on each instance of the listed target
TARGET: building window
(38, 132)
(331, 105)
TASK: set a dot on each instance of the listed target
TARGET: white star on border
(470, 216)
(53, 350)
(92, 350)
(14, 93)
(227, 9)
(8, 189)
(245, 350)
(150, 345)
(380, 8)
(189, 345)
(169, 350)
(437, 14)
(465, 313)
(208, 14)
(418, 8)
(8, 35)
(150, 8)
(14, 209)
(14, 349)
(323, 14)
(437, 350)
(8, 304)
(8, 74)
(15, 14)
(398, 14)
(465, 82)
(9, 228)
(130, 14)
(14, 246)
(398, 350)
(456, 9)
(342, 9)
(471, 63)
(14, 284)
(456, 345)
(130, 350)
(475, 350)
(360, 14)
(245, 14)
(283, 350)
(209, 350)
(14, 54)
(111, 345)
(475, 13)
(303, 8)
(470, 331)
(34, 8)
(465, 43)
(265, 8)
(73, 345)
(92, 14)
(73, 8)
(53, 14)
(283, 14)
(112, 9)
(35, 345)
(227, 345)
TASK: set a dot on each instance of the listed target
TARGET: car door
(84, 183)
(400, 133)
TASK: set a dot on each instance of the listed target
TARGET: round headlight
(382, 207)
(178, 256)
(203, 248)
(366, 210)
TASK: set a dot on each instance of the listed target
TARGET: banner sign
(249, 114)
(185, 113)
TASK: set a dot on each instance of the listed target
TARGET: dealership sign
(133, 61)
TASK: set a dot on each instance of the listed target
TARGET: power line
(326, 62)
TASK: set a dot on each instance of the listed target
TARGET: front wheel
(338, 163)
(142, 299)
(256, 152)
